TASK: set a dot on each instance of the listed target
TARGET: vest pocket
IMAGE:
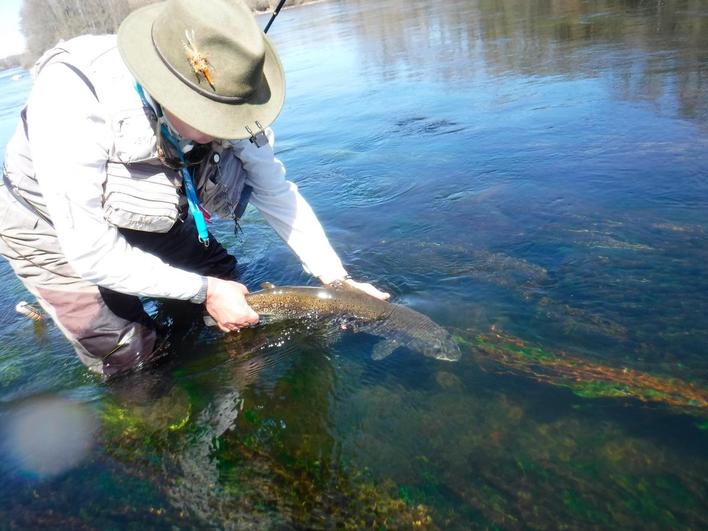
(134, 137)
(141, 197)
(221, 185)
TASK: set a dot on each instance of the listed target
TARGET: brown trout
(397, 325)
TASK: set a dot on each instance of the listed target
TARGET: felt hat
(207, 62)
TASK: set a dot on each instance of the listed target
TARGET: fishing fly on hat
(207, 62)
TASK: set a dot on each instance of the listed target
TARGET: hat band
(191, 84)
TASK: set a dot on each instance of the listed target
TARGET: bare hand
(367, 288)
(226, 303)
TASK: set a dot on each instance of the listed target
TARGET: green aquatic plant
(310, 493)
(251, 459)
(492, 455)
(584, 377)
(139, 431)
(311, 447)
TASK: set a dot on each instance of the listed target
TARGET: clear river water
(532, 175)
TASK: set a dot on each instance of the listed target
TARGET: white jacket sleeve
(70, 138)
(286, 210)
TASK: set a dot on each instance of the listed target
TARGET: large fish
(397, 325)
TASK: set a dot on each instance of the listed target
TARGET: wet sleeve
(70, 137)
(286, 210)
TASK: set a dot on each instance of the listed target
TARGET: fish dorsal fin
(267, 285)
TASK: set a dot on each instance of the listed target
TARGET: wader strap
(21, 200)
(83, 78)
(23, 112)
(243, 202)
(23, 116)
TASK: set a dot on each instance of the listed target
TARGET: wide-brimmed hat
(207, 62)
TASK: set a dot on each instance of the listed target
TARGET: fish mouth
(444, 351)
(452, 354)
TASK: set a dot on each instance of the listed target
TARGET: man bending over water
(125, 146)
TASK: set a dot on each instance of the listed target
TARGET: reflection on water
(648, 50)
(529, 174)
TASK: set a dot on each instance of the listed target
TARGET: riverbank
(43, 28)
(288, 5)
(11, 61)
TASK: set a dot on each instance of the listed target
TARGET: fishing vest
(139, 192)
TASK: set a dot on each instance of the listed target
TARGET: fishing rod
(275, 14)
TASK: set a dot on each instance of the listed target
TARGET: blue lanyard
(192, 198)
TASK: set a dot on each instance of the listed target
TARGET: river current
(533, 176)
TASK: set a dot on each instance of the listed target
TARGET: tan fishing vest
(140, 193)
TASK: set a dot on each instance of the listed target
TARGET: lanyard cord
(190, 190)
(192, 198)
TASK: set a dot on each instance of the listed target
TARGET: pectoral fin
(384, 348)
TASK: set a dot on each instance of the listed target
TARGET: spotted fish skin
(397, 325)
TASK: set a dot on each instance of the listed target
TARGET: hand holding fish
(367, 288)
(226, 303)
(350, 308)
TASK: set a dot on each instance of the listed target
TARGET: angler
(126, 145)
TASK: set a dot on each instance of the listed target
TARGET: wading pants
(110, 331)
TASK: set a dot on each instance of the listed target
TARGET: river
(533, 176)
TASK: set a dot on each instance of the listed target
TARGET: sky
(11, 40)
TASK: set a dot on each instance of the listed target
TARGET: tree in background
(45, 22)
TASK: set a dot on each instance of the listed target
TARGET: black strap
(23, 116)
(83, 78)
(243, 202)
(23, 113)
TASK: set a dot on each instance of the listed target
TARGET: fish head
(440, 347)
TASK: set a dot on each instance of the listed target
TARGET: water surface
(533, 176)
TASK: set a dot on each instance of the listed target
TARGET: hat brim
(220, 120)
